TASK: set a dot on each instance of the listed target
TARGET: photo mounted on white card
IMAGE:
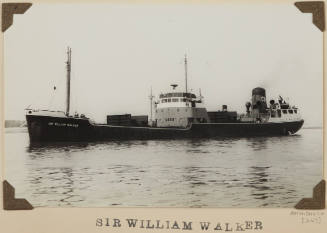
(164, 105)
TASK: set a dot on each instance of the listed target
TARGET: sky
(120, 51)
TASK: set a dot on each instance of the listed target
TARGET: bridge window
(284, 111)
(176, 94)
(183, 100)
(279, 114)
(295, 111)
(169, 100)
(273, 113)
(290, 111)
(175, 100)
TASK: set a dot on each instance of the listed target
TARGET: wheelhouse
(283, 112)
(178, 99)
(177, 94)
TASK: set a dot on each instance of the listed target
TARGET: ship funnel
(259, 99)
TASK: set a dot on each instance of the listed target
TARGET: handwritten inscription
(62, 124)
(307, 217)
(179, 225)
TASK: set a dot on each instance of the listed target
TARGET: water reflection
(259, 143)
(194, 176)
(258, 182)
(56, 146)
(221, 172)
(71, 146)
(54, 184)
(67, 185)
(202, 146)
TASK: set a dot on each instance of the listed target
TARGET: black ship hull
(69, 129)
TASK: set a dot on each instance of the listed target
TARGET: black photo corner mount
(318, 199)
(9, 200)
(8, 11)
(317, 8)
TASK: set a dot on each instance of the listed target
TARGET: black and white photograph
(163, 105)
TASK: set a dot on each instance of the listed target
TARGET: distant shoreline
(14, 123)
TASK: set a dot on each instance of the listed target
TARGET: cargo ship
(177, 115)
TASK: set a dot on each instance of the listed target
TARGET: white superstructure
(179, 109)
(282, 112)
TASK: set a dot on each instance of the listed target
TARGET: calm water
(242, 172)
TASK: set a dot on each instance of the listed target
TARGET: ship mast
(68, 67)
(151, 103)
(185, 65)
(200, 94)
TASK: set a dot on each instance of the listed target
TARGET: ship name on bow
(62, 124)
